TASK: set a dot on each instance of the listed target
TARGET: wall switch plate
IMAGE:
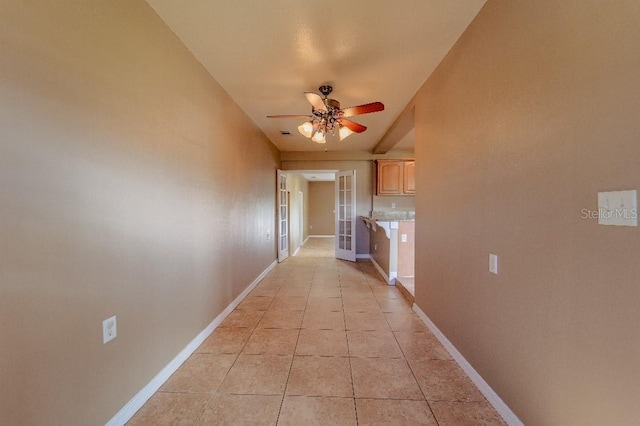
(375, 247)
(493, 263)
(618, 208)
(109, 329)
(403, 237)
(268, 234)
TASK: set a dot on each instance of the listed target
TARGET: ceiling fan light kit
(318, 137)
(327, 117)
(344, 132)
(306, 129)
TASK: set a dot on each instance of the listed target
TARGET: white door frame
(301, 217)
(345, 204)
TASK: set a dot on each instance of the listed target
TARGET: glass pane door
(283, 217)
(346, 215)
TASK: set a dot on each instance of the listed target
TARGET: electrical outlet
(393, 205)
(403, 237)
(109, 329)
(268, 234)
(375, 247)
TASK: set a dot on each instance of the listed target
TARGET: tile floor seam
(204, 411)
(282, 400)
(353, 386)
(344, 319)
(416, 379)
(235, 360)
(284, 391)
(355, 406)
(249, 394)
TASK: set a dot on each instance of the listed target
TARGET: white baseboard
(320, 236)
(363, 256)
(493, 398)
(127, 412)
(300, 246)
(390, 280)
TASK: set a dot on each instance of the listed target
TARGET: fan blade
(363, 109)
(316, 101)
(288, 116)
(352, 125)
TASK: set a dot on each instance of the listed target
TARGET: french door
(283, 217)
(346, 215)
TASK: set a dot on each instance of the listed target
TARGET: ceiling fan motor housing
(325, 90)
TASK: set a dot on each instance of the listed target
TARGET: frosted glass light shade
(345, 132)
(306, 129)
(318, 137)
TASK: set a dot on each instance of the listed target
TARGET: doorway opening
(312, 204)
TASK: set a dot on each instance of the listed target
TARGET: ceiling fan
(327, 116)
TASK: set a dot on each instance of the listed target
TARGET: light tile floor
(320, 342)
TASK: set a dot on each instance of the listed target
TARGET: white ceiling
(266, 53)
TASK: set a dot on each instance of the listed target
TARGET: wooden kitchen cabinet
(409, 178)
(396, 177)
(390, 175)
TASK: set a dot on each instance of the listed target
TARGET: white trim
(391, 280)
(301, 219)
(305, 240)
(320, 236)
(363, 256)
(297, 250)
(127, 412)
(493, 398)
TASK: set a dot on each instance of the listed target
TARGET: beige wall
(402, 202)
(532, 113)
(130, 185)
(364, 177)
(321, 208)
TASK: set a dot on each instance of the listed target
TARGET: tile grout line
(344, 319)
(404, 357)
(239, 352)
(284, 391)
(213, 394)
(413, 374)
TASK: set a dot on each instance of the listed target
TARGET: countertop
(387, 220)
(391, 216)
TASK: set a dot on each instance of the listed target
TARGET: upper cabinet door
(396, 177)
(409, 177)
(390, 177)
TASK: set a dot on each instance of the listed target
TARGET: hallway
(320, 341)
